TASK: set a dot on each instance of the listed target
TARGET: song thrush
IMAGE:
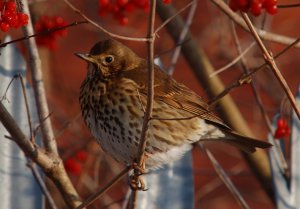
(113, 97)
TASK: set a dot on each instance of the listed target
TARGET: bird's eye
(109, 59)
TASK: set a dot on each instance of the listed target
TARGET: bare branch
(237, 59)
(41, 183)
(42, 33)
(225, 178)
(172, 17)
(50, 163)
(150, 94)
(246, 77)
(38, 86)
(182, 36)
(268, 36)
(271, 62)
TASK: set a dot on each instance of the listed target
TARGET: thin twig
(225, 178)
(75, 9)
(238, 58)
(38, 86)
(263, 34)
(284, 6)
(259, 100)
(182, 37)
(4, 97)
(246, 77)
(246, 70)
(173, 16)
(42, 33)
(30, 163)
(150, 94)
(41, 183)
(27, 107)
(98, 194)
(271, 62)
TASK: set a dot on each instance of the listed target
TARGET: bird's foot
(136, 181)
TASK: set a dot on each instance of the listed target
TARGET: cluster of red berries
(119, 8)
(73, 164)
(255, 6)
(282, 129)
(43, 25)
(10, 17)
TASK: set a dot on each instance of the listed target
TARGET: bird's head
(109, 58)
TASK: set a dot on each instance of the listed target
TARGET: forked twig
(259, 100)
(41, 183)
(271, 62)
(246, 77)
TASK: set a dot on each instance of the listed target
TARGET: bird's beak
(86, 57)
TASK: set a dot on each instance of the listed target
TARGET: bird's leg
(136, 181)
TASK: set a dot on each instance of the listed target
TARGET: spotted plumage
(113, 98)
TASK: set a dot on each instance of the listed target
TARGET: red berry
(244, 5)
(282, 132)
(282, 128)
(11, 18)
(23, 18)
(104, 3)
(72, 166)
(272, 9)
(281, 123)
(81, 155)
(11, 6)
(4, 26)
(123, 20)
(167, 1)
(256, 7)
(45, 24)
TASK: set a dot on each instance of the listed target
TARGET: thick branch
(38, 86)
(50, 163)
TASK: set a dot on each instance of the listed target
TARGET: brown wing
(173, 93)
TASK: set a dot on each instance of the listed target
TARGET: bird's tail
(244, 143)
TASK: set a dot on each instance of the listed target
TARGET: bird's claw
(136, 181)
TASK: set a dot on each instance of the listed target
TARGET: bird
(113, 97)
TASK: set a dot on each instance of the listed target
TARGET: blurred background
(86, 163)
